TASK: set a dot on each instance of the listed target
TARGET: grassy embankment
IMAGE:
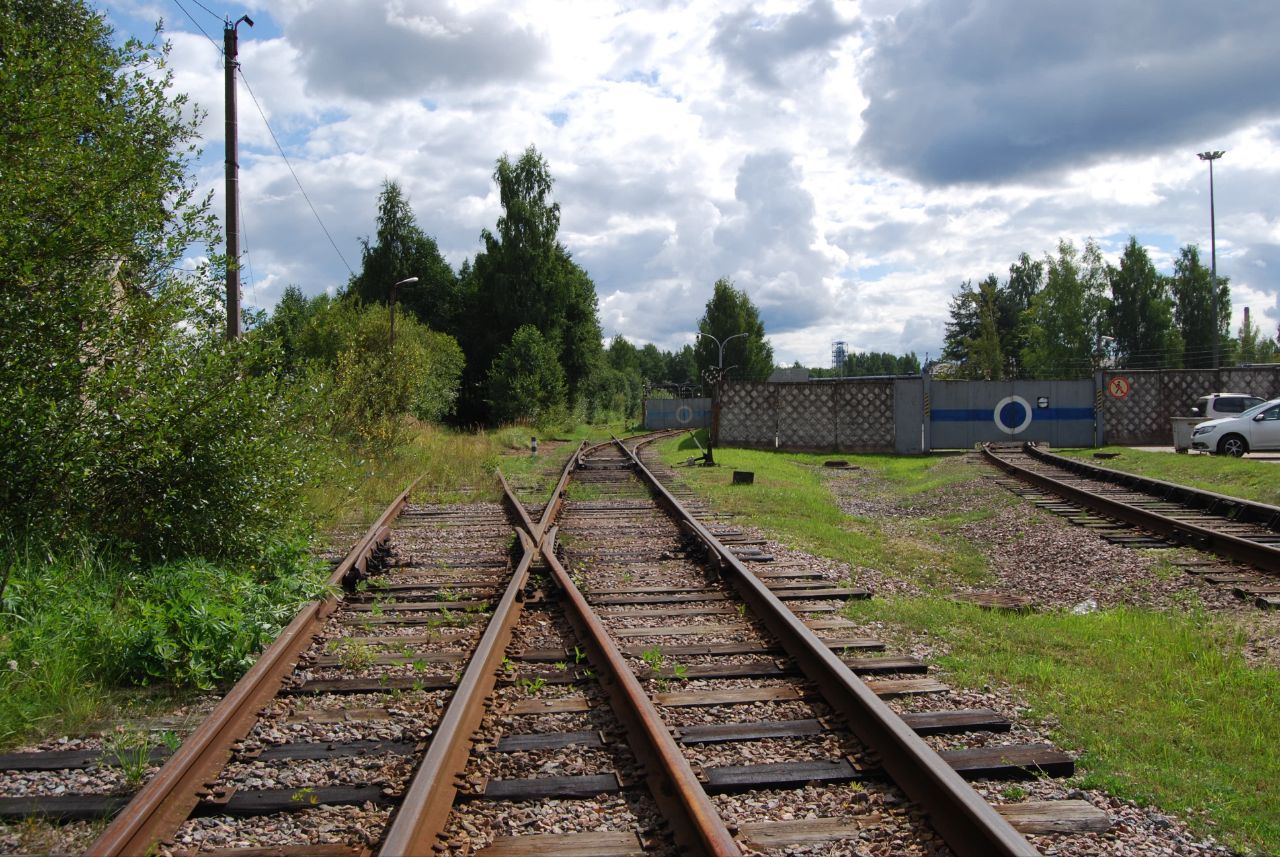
(1162, 705)
(90, 635)
(1247, 478)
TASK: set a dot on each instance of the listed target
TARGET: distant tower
(839, 349)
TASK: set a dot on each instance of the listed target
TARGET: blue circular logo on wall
(1012, 414)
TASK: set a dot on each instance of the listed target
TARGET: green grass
(88, 634)
(1165, 709)
(1239, 477)
(791, 499)
(360, 483)
(1162, 705)
(84, 633)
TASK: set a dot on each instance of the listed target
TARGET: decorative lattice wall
(864, 416)
(1141, 418)
(857, 415)
(850, 415)
(747, 415)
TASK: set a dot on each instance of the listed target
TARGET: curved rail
(1224, 544)
(165, 802)
(967, 823)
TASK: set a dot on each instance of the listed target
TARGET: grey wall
(1141, 416)
(910, 415)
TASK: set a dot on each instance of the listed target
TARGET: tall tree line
(1071, 312)
(523, 312)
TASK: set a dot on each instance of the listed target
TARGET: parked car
(1256, 429)
(1217, 405)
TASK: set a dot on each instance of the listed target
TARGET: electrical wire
(244, 244)
(178, 3)
(207, 9)
(298, 181)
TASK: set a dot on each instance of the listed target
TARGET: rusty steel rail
(420, 820)
(1225, 545)
(697, 827)
(428, 799)
(165, 802)
(968, 824)
(1240, 509)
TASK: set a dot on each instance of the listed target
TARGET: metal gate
(676, 413)
(960, 414)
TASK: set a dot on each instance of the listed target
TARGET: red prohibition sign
(1118, 388)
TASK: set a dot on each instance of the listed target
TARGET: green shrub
(194, 624)
(85, 615)
(376, 384)
(526, 381)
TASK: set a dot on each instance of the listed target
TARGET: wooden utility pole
(229, 53)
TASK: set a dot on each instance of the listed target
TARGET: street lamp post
(405, 282)
(710, 459)
(1213, 253)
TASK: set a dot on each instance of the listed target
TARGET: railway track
(619, 676)
(1140, 512)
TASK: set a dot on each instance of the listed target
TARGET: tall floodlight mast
(1213, 254)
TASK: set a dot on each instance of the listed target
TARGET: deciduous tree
(730, 312)
(1196, 309)
(1141, 312)
(1067, 314)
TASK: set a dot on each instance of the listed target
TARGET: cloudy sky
(847, 164)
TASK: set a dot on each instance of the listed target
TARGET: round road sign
(684, 414)
(1118, 387)
(1012, 414)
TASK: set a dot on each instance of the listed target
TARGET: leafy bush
(194, 623)
(377, 383)
(526, 380)
(85, 614)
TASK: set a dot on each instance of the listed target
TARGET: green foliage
(990, 326)
(863, 363)
(523, 277)
(730, 312)
(1196, 311)
(189, 454)
(402, 250)
(130, 751)
(1141, 312)
(526, 380)
(121, 411)
(356, 655)
(1067, 314)
(1252, 347)
(83, 617)
(342, 350)
(973, 341)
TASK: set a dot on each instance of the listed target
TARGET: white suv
(1256, 429)
(1217, 405)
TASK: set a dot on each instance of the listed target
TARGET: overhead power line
(207, 9)
(298, 181)
(217, 47)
